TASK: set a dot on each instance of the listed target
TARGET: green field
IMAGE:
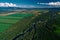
(9, 20)
(47, 26)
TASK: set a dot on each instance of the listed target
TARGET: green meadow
(9, 20)
(15, 25)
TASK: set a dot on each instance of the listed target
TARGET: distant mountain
(5, 9)
(8, 9)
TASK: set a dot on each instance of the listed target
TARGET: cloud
(43, 3)
(54, 3)
(27, 6)
(51, 3)
(14, 5)
(7, 4)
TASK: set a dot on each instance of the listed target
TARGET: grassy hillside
(7, 21)
(44, 26)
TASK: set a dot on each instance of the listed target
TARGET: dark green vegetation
(57, 24)
(44, 26)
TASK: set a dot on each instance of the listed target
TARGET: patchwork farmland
(7, 23)
(30, 26)
(8, 20)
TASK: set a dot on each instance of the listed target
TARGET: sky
(30, 3)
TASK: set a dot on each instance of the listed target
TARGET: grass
(16, 23)
(4, 26)
(10, 17)
(57, 23)
(16, 29)
(7, 21)
(20, 15)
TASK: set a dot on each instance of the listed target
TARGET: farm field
(8, 20)
(19, 26)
